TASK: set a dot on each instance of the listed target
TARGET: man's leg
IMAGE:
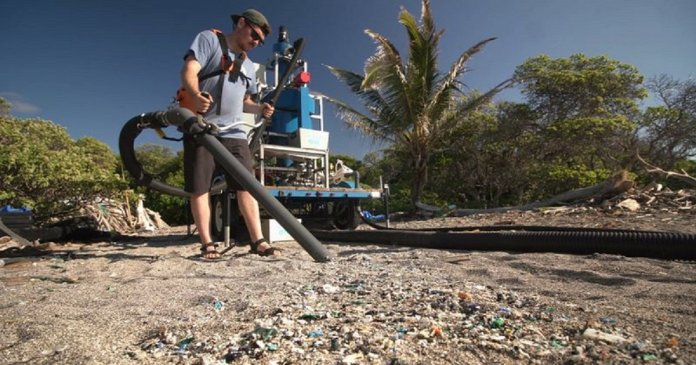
(249, 208)
(200, 209)
(198, 171)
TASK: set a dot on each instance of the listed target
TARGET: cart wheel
(346, 215)
(217, 209)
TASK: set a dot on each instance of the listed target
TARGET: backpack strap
(226, 63)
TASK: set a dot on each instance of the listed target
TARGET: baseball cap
(254, 16)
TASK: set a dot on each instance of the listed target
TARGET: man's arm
(189, 79)
(250, 106)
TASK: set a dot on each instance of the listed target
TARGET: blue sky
(92, 65)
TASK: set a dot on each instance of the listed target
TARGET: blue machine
(295, 104)
(293, 110)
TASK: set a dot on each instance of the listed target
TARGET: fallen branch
(652, 169)
(18, 240)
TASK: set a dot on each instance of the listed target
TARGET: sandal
(210, 254)
(271, 251)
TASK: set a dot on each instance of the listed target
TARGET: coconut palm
(411, 104)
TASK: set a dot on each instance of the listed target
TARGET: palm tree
(410, 104)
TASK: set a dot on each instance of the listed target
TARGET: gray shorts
(200, 166)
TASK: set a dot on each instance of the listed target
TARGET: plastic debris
(352, 359)
(394, 322)
(436, 331)
(465, 296)
(498, 322)
(629, 204)
(593, 334)
(608, 320)
(335, 344)
(648, 356)
(672, 342)
(310, 317)
(316, 333)
(265, 333)
(183, 344)
(373, 217)
(329, 289)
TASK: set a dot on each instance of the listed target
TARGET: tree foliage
(45, 169)
(489, 159)
(580, 87)
(160, 161)
(574, 129)
(586, 109)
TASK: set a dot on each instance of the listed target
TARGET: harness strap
(226, 64)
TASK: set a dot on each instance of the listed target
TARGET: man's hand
(203, 102)
(267, 110)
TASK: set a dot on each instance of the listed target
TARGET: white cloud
(19, 104)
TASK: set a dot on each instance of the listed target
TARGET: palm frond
(384, 71)
(427, 17)
(369, 96)
(352, 79)
(412, 28)
(374, 128)
(384, 62)
(421, 69)
(441, 97)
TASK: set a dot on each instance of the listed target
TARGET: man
(221, 100)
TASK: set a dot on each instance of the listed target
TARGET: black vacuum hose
(574, 240)
(664, 245)
(126, 145)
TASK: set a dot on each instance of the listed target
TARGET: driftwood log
(615, 185)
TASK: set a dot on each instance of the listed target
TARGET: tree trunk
(419, 179)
